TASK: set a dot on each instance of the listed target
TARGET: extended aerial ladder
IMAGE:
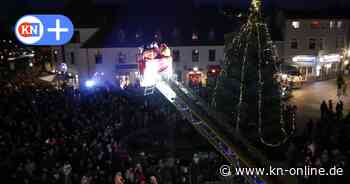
(155, 66)
(219, 133)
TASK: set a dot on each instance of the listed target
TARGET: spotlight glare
(90, 83)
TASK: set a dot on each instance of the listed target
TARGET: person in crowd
(339, 110)
(324, 109)
(330, 106)
(65, 136)
(310, 126)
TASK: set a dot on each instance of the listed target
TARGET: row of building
(313, 45)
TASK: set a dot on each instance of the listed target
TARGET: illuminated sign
(304, 58)
(330, 58)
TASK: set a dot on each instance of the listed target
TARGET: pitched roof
(209, 25)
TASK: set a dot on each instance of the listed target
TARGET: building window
(295, 24)
(158, 36)
(121, 58)
(312, 43)
(179, 75)
(121, 35)
(176, 55)
(195, 55)
(55, 54)
(339, 24)
(175, 33)
(98, 58)
(331, 24)
(72, 59)
(211, 34)
(339, 42)
(138, 36)
(321, 44)
(194, 36)
(294, 44)
(212, 55)
(315, 24)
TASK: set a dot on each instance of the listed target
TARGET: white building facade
(192, 64)
(315, 46)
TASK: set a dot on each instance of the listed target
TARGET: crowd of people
(69, 136)
(324, 144)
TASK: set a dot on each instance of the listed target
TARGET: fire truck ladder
(220, 134)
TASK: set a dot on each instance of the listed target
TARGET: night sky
(298, 4)
(12, 10)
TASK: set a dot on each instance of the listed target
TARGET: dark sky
(283, 3)
(15, 8)
(300, 4)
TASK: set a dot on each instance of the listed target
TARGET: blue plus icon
(58, 29)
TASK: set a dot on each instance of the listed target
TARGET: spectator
(310, 126)
(324, 109)
(330, 106)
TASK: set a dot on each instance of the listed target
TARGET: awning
(48, 78)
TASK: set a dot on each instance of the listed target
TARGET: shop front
(212, 74)
(328, 66)
(321, 67)
(195, 78)
(126, 75)
(306, 65)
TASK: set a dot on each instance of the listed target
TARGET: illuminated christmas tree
(247, 89)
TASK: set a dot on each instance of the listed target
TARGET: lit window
(315, 24)
(312, 43)
(195, 55)
(331, 24)
(296, 24)
(294, 44)
(194, 36)
(339, 24)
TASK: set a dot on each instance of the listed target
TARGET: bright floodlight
(90, 83)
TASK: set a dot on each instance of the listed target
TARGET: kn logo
(44, 30)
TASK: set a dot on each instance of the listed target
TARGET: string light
(254, 28)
